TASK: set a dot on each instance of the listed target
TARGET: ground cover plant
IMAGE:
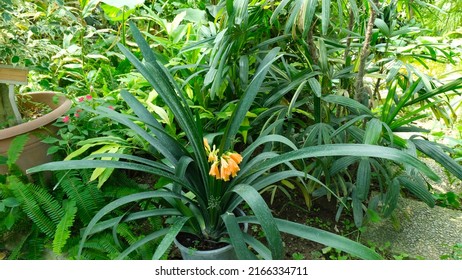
(314, 92)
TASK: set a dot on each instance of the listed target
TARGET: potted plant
(206, 179)
(16, 48)
(44, 108)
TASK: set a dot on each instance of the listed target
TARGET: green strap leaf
(266, 139)
(261, 249)
(266, 220)
(141, 111)
(325, 19)
(132, 217)
(169, 237)
(391, 198)
(236, 237)
(451, 86)
(247, 99)
(321, 236)
(347, 102)
(118, 203)
(141, 242)
(363, 179)
(435, 151)
(419, 190)
(373, 132)
(383, 27)
(361, 150)
(357, 206)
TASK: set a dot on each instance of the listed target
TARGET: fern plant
(33, 217)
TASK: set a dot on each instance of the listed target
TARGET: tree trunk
(361, 92)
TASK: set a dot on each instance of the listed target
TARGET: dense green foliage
(314, 94)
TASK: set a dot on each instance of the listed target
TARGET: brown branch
(362, 94)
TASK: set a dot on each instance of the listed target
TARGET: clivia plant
(208, 179)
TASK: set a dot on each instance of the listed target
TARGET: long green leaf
(451, 86)
(118, 203)
(284, 88)
(236, 237)
(310, 10)
(89, 164)
(261, 249)
(259, 182)
(162, 147)
(350, 123)
(263, 214)
(357, 207)
(341, 164)
(373, 132)
(137, 159)
(416, 86)
(325, 19)
(169, 237)
(391, 198)
(278, 10)
(434, 151)
(420, 191)
(361, 150)
(383, 27)
(132, 217)
(141, 242)
(266, 139)
(347, 102)
(247, 99)
(164, 84)
(320, 236)
(141, 111)
(363, 179)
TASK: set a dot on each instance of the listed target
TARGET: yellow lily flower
(214, 171)
(206, 145)
(224, 167)
(236, 157)
(233, 167)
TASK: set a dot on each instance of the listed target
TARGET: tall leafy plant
(354, 79)
(207, 179)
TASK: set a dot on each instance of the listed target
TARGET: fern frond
(156, 223)
(63, 233)
(23, 192)
(36, 246)
(103, 243)
(128, 235)
(15, 149)
(86, 195)
(120, 185)
(48, 203)
(93, 255)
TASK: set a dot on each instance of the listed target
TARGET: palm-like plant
(348, 53)
(201, 196)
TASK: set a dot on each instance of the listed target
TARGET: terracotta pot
(35, 152)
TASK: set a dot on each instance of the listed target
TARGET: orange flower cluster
(224, 167)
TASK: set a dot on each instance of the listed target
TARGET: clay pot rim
(40, 121)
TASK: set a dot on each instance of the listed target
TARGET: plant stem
(361, 94)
